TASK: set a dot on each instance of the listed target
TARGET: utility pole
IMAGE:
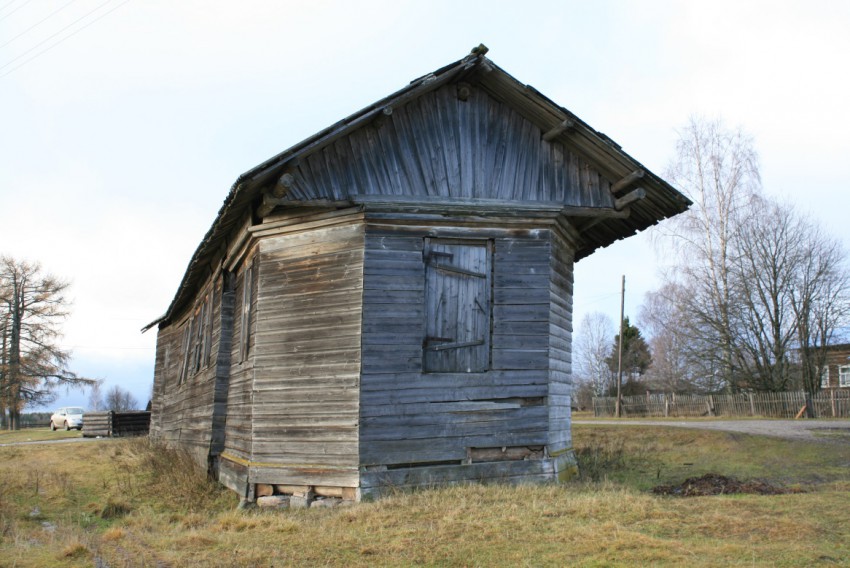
(619, 406)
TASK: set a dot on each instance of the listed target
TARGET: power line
(48, 38)
(50, 15)
(48, 48)
(13, 11)
(109, 348)
(6, 5)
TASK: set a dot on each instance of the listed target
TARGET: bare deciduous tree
(119, 400)
(717, 169)
(96, 396)
(678, 362)
(754, 283)
(591, 347)
(32, 364)
(795, 294)
(768, 251)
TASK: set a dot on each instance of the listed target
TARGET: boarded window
(457, 306)
(206, 333)
(245, 330)
(187, 336)
(199, 320)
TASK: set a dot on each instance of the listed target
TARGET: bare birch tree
(754, 283)
(96, 396)
(32, 364)
(678, 362)
(717, 169)
(591, 348)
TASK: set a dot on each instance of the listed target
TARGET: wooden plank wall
(238, 426)
(560, 347)
(441, 146)
(411, 419)
(307, 358)
(182, 411)
(223, 345)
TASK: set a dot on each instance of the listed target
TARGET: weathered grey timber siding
(183, 410)
(223, 344)
(238, 426)
(307, 354)
(414, 418)
(441, 146)
(560, 344)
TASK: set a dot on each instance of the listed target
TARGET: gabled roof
(660, 200)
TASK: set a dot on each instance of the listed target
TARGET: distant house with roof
(389, 302)
(836, 371)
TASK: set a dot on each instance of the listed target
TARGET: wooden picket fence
(830, 403)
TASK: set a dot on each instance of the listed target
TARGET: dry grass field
(37, 435)
(125, 503)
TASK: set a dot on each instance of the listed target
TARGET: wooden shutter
(457, 306)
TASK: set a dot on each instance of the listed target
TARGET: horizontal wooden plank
(375, 242)
(382, 382)
(528, 419)
(526, 281)
(520, 359)
(283, 475)
(398, 282)
(516, 341)
(470, 393)
(521, 296)
(419, 476)
(377, 297)
(414, 339)
(443, 448)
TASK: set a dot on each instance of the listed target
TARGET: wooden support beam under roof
(626, 181)
(273, 196)
(629, 198)
(558, 130)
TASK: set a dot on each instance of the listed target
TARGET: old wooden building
(389, 302)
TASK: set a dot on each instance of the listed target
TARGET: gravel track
(826, 431)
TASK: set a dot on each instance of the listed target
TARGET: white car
(67, 418)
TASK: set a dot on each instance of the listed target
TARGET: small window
(457, 306)
(198, 337)
(166, 362)
(824, 377)
(187, 337)
(208, 335)
(844, 376)
(245, 330)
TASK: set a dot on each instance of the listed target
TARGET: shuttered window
(457, 306)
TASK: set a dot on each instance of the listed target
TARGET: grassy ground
(132, 505)
(36, 435)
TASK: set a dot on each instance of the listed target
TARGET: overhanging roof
(661, 199)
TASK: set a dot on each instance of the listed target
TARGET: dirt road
(829, 431)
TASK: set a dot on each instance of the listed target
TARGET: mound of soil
(716, 484)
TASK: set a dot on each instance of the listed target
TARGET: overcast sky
(123, 124)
